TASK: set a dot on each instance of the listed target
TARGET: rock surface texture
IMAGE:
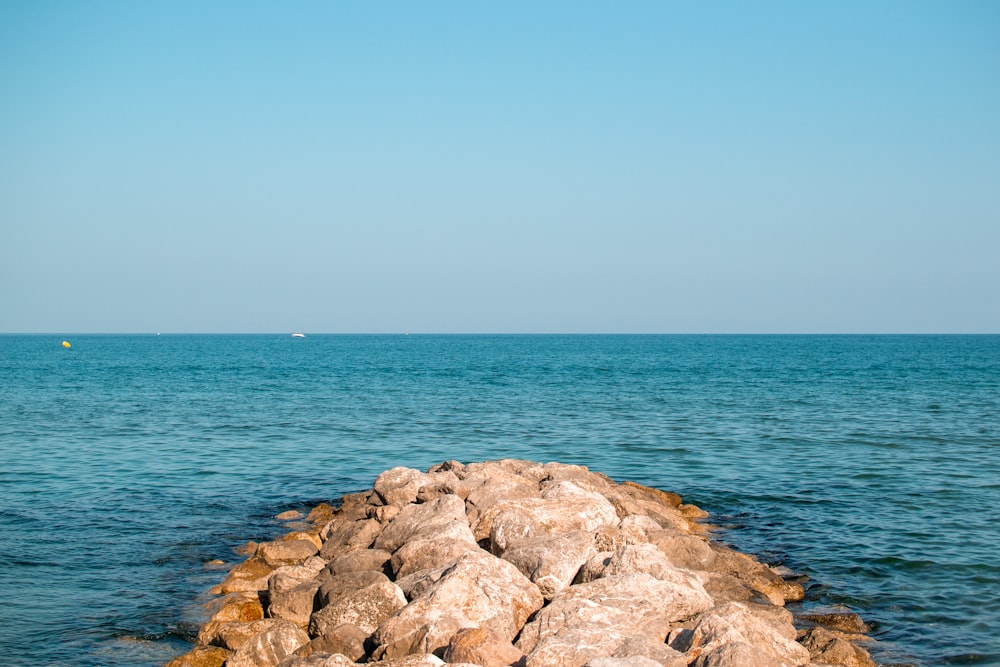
(510, 563)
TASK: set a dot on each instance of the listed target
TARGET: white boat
(298, 335)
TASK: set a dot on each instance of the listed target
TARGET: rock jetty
(511, 563)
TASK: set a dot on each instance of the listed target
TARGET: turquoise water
(871, 463)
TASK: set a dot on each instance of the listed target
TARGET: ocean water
(869, 463)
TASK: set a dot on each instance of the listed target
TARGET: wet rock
(756, 575)
(842, 621)
(290, 515)
(481, 646)
(233, 634)
(830, 648)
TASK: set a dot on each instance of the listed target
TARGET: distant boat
(298, 335)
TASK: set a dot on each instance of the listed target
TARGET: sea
(129, 463)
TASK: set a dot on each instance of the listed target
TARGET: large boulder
(399, 486)
(563, 508)
(426, 520)
(736, 623)
(595, 619)
(286, 552)
(481, 646)
(365, 608)
(476, 589)
(551, 561)
(268, 648)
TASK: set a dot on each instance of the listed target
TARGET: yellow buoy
(66, 344)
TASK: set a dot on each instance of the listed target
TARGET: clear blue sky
(500, 167)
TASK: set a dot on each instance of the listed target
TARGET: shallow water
(869, 463)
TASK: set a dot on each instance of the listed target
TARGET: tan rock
(423, 554)
(290, 515)
(344, 536)
(561, 509)
(594, 619)
(399, 486)
(291, 598)
(446, 513)
(359, 561)
(243, 607)
(317, 660)
(735, 654)
(683, 549)
(639, 558)
(290, 552)
(346, 639)
(201, 656)
(630, 661)
(332, 588)
(551, 561)
(232, 634)
(650, 648)
(757, 575)
(736, 623)
(481, 646)
(489, 496)
(474, 590)
(365, 608)
(269, 647)
(250, 575)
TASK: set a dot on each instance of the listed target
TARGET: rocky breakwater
(509, 563)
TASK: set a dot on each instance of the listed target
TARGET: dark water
(871, 463)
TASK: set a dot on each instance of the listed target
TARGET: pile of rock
(509, 563)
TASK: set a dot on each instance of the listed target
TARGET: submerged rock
(510, 563)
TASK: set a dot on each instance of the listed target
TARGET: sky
(515, 167)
